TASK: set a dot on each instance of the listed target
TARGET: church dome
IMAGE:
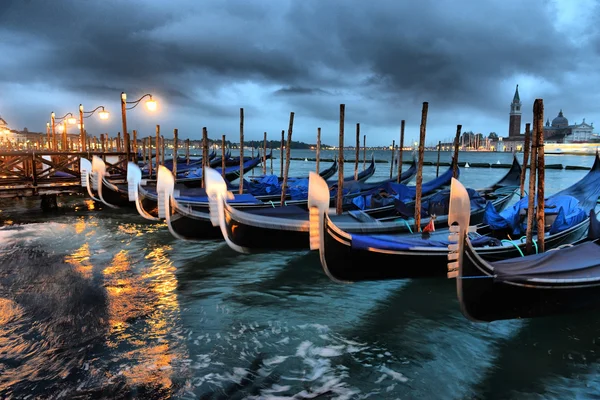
(560, 121)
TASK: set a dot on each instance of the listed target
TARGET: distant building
(559, 131)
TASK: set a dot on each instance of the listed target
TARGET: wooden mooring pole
(241, 186)
(287, 159)
(157, 145)
(205, 161)
(402, 123)
(265, 154)
(526, 148)
(340, 188)
(393, 157)
(357, 151)
(437, 169)
(223, 161)
(455, 157)
(175, 144)
(318, 148)
(419, 184)
(538, 119)
(281, 154)
(531, 195)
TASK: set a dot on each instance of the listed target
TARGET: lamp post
(102, 114)
(67, 118)
(150, 105)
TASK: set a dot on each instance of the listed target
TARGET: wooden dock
(43, 173)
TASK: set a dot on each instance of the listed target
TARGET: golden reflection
(130, 229)
(80, 260)
(89, 203)
(80, 226)
(143, 313)
(9, 311)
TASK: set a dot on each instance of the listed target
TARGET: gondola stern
(165, 184)
(318, 204)
(85, 168)
(134, 178)
(458, 222)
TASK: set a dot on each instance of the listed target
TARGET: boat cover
(238, 198)
(197, 173)
(406, 242)
(385, 193)
(576, 262)
(561, 211)
(439, 203)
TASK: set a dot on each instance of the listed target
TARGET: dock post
(223, 162)
(265, 155)
(455, 158)
(287, 159)
(393, 157)
(241, 185)
(357, 151)
(402, 123)
(204, 155)
(538, 119)
(281, 153)
(526, 147)
(419, 184)
(340, 188)
(175, 143)
(437, 169)
(531, 195)
(318, 158)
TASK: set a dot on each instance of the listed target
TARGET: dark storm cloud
(383, 59)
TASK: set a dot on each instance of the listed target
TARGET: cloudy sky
(204, 60)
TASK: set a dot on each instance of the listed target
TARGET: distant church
(558, 132)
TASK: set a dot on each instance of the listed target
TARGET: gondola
(561, 280)
(189, 218)
(288, 227)
(115, 193)
(351, 257)
(148, 198)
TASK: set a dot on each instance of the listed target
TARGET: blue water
(100, 303)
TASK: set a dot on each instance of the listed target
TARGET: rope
(407, 225)
(534, 243)
(514, 244)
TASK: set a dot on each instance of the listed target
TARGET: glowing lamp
(151, 105)
(71, 120)
(103, 114)
(60, 128)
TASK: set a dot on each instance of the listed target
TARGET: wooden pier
(42, 173)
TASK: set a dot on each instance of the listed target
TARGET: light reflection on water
(101, 303)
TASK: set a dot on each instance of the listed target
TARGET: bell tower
(514, 125)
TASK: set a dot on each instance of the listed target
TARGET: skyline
(203, 62)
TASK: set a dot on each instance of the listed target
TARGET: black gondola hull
(193, 227)
(344, 263)
(115, 197)
(482, 298)
(257, 238)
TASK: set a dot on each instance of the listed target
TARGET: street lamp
(102, 114)
(68, 118)
(150, 105)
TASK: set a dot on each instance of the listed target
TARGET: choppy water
(99, 303)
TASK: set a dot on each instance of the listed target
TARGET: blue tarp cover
(405, 242)
(238, 198)
(566, 209)
(404, 193)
